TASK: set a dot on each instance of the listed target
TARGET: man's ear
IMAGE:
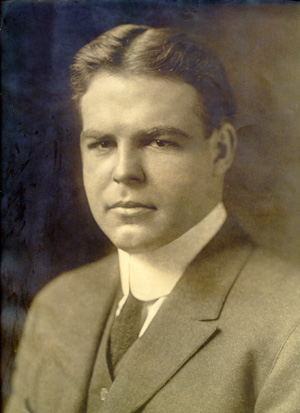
(224, 142)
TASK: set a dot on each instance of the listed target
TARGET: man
(189, 316)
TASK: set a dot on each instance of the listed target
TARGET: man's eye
(102, 145)
(106, 144)
(159, 143)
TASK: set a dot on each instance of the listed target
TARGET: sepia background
(46, 226)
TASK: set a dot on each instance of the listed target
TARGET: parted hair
(164, 52)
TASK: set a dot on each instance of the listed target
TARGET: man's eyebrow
(93, 134)
(165, 130)
(152, 133)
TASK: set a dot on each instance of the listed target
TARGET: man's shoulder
(271, 282)
(273, 266)
(82, 283)
(262, 266)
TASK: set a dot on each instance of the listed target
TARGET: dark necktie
(125, 329)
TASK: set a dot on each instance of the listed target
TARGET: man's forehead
(112, 85)
(139, 96)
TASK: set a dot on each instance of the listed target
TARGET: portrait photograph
(150, 206)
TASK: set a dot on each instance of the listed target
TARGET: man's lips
(130, 204)
(131, 209)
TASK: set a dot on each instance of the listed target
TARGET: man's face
(148, 170)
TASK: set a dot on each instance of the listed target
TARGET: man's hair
(163, 52)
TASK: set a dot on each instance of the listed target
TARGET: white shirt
(152, 275)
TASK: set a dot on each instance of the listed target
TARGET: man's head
(155, 139)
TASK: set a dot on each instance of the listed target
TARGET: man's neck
(153, 274)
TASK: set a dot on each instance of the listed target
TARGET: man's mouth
(131, 208)
(130, 204)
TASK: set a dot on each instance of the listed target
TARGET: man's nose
(128, 166)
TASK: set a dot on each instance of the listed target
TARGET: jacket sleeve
(25, 364)
(281, 391)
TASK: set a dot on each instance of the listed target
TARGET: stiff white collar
(154, 274)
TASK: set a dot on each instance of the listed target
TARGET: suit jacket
(227, 339)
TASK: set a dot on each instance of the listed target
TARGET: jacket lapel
(186, 322)
(97, 286)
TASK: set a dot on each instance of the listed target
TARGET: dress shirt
(152, 275)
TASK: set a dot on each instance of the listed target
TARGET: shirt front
(152, 275)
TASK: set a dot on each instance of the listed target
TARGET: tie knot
(132, 305)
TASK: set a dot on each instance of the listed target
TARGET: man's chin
(135, 242)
